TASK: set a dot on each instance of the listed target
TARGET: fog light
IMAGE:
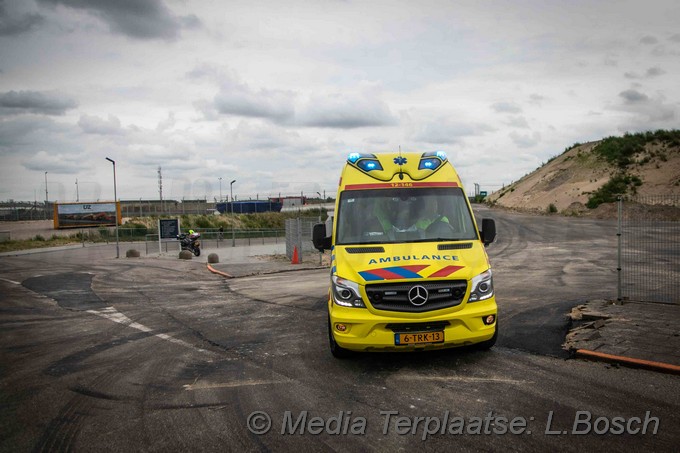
(489, 320)
(341, 327)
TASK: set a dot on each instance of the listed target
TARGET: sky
(276, 94)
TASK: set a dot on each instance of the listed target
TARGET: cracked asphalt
(159, 354)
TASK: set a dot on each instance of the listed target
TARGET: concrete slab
(646, 332)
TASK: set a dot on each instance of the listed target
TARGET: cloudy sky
(275, 94)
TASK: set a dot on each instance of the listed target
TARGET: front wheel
(197, 251)
(338, 351)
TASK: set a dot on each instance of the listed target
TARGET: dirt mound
(568, 181)
(575, 209)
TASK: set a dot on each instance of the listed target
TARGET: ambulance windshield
(399, 215)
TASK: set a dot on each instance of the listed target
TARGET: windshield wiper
(439, 240)
(364, 243)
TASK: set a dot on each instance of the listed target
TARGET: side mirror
(488, 233)
(319, 239)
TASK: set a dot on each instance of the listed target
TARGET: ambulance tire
(488, 344)
(337, 351)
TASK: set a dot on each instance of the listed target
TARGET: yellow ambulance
(409, 270)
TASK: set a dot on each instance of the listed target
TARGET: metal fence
(20, 210)
(299, 236)
(213, 237)
(649, 249)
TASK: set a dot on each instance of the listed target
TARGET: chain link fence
(23, 210)
(649, 249)
(299, 236)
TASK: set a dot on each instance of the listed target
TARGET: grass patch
(25, 244)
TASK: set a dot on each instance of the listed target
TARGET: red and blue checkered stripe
(406, 272)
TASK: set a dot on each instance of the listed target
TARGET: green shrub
(552, 208)
(202, 221)
(39, 237)
(260, 220)
(620, 150)
(619, 184)
(572, 147)
(136, 229)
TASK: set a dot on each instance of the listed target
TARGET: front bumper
(366, 331)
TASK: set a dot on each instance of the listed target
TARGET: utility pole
(77, 194)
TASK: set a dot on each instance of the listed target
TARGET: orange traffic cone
(296, 259)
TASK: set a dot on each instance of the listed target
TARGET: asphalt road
(159, 354)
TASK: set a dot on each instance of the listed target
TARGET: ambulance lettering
(414, 258)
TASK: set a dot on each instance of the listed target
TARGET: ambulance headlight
(346, 293)
(482, 287)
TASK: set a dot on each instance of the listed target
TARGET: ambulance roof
(375, 170)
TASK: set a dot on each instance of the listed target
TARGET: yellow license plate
(418, 338)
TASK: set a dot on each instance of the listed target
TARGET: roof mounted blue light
(365, 162)
(429, 164)
(353, 157)
(440, 154)
(369, 165)
(432, 160)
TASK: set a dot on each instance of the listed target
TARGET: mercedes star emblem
(417, 295)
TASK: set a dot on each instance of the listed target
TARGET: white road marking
(114, 315)
(207, 385)
(10, 281)
(463, 379)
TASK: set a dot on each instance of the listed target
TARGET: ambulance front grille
(395, 296)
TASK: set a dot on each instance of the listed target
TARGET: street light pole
(233, 233)
(220, 178)
(115, 204)
(46, 196)
(82, 236)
